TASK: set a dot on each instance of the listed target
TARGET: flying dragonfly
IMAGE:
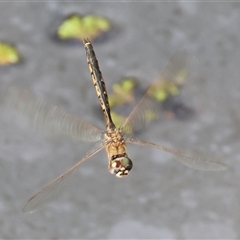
(113, 139)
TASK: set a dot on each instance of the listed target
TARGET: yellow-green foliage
(79, 27)
(8, 54)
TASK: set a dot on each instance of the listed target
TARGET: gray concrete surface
(160, 198)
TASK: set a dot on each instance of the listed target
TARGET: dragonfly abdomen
(98, 82)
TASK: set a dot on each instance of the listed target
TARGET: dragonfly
(113, 139)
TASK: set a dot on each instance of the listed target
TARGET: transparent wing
(53, 189)
(188, 159)
(50, 117)
(173, 75)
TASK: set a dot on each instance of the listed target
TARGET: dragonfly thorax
(120, 165)
(118, 161)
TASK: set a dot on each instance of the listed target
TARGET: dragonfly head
(120, 165)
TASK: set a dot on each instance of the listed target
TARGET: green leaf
(8, 54)
(78, 27)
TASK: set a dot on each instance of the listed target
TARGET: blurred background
(160, 198)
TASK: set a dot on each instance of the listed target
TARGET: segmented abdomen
(98, 82)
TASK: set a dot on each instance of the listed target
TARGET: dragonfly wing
(191, 160)
(50, 117)
(53, 189)
(171, 78)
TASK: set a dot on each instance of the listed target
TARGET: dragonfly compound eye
(120, 166)
(127, 163)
